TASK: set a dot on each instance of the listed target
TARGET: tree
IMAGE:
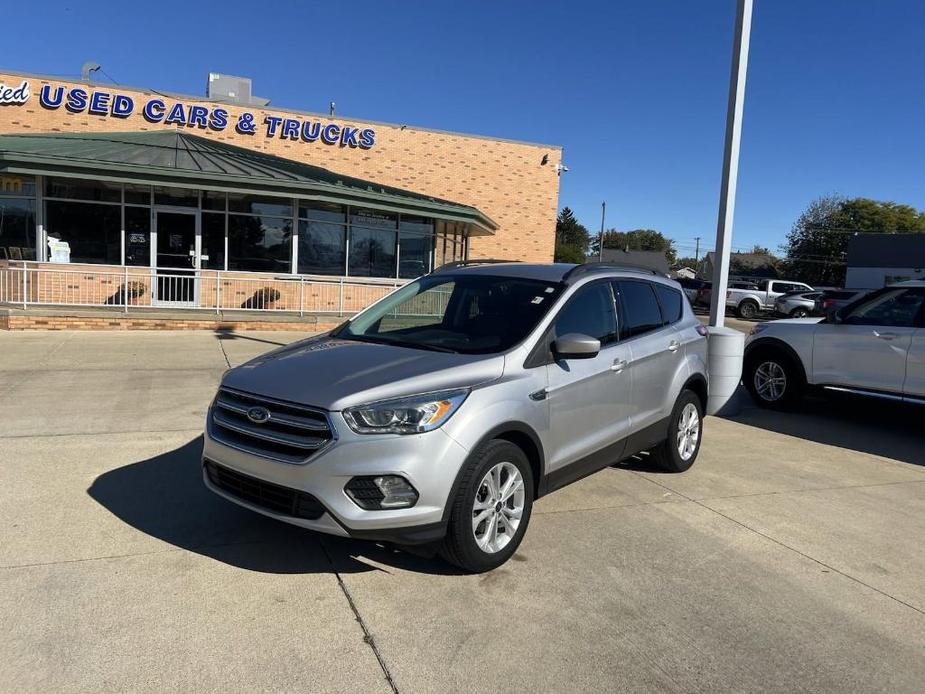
(571, 238)
(817, 245)
(688, 261)
(760, 250)
(637, 240)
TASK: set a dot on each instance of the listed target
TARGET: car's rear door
(589, 399)
(914, 386)
(868, 349)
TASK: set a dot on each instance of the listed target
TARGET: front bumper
(429, 461)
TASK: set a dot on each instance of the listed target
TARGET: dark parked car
(836, 298)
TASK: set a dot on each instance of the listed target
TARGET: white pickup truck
(747, 303)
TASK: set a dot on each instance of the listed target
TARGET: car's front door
(869, 347)
(589, 399)
(655, 350)
(914, 387)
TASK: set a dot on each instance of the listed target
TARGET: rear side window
(590, 312)
(639, 308)
(670, 299)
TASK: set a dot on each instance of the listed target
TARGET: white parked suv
(874, 346)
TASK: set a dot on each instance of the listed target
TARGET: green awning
(179, 159)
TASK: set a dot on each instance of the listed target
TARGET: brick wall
(505, 180)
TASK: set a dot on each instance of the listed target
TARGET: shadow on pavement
(222, 333)
(165, 497)
(879, 427)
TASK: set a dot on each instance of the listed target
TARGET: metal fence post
(125, 288)
(25, 286)
(301, 297)
(218, 292)
(341, 311)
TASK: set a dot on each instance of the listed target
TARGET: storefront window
(82, 189)
(93, 231)
(137, 195)
(213, 241)
(252, 204)
(415, 248)
(138, 236)
(322, 248)
(372, 252)
(17, 228)
(259, 244)
(178, 197)
(211, 200)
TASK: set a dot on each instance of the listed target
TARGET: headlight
(411, 415)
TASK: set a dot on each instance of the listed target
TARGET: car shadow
(224, 332)
(867, 425)
(164, 497)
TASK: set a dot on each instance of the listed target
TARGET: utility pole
(727, 197)
(697, 250)
(600, 242)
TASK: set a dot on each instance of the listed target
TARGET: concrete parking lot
(789, 559)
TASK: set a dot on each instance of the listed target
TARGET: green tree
(637, 240)
(571, 238)
(817, 245)
(688, 261)
(760, 250)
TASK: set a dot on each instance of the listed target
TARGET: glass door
(176, 258)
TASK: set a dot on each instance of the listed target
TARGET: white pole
(730, 162)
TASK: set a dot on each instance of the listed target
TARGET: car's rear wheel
(491, 509)
(773, 379)
(685, 427)
(747, 309)
(799, 312)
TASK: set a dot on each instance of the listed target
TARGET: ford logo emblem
(258, 415)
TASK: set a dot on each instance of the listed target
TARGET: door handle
(674, 346)
(885, 336)
(618, 365)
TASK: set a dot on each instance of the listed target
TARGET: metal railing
(133, 288)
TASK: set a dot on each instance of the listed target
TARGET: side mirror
(832, 315)
(576, 346)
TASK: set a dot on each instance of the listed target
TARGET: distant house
(745, 266)
(876, 260)
(654, 260)
(683, 272)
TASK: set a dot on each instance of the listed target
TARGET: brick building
(120, 195)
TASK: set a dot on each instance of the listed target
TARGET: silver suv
(438, 415)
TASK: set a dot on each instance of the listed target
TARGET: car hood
(332, 374)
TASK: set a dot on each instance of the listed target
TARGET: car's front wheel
(491, 509)
(773, 379)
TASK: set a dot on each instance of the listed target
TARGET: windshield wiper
(398, 343)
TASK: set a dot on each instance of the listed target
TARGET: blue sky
(634, 91)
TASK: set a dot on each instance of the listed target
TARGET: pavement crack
(367, 635)
(221, 346)
(780, 543)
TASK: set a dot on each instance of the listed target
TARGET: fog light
(377, 493)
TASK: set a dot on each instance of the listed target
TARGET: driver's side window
(892, 307)
(590, 312)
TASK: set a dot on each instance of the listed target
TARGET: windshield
(471, 314)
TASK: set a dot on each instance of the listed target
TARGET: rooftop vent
(236, 90)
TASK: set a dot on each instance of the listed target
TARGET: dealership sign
(217, 118)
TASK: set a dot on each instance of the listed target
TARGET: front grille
(290, 433)
(273, 497)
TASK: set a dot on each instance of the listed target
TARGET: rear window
(641, 312)
(670, 300)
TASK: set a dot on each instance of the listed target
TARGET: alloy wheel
(498, 507)
(770, 381)
(688, 431)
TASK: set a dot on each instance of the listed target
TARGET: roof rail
(465, 263)
(585, 268)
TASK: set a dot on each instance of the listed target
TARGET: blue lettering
(76, 100)
(99, 103)
(330, 132)
(177, 115)
(310, 131)
(47, 101)
(219, 119)
(367, 138)
(348, 136)
(122, 106)
(154, 111)
(272, 124)
(198, 115)
(290, 129)
(246, 124)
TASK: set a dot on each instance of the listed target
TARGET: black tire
(459, 546)
(748, 309)
(799, 312)
(667, 456)
(767, 361)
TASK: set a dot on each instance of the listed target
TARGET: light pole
(600, 239)
(730, 162)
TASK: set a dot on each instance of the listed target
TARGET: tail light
(828, 303)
